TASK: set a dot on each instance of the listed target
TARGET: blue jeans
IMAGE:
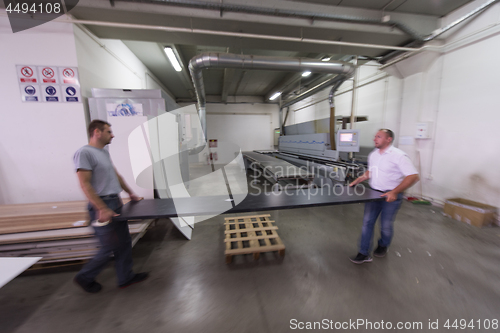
(113, 238)
(373, 209)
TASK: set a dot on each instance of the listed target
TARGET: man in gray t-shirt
(102, 185)
(104, 179)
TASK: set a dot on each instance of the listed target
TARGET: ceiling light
(173, 59)
(273, 97)
(306, 74)
(325, 58)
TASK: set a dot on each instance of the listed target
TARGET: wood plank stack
(42, 216)
(56, 231)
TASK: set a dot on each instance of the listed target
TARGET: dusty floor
(436, 269)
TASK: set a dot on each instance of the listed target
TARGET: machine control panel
(348, 140)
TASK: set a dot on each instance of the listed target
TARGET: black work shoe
(139, 277)
(361, 258)
(380, 251)
(92, 287)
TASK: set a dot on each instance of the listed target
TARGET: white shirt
(388, 170)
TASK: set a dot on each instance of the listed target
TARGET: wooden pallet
(251, 235)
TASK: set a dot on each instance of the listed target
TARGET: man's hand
(390, 196)
(106, 214)
(356, 181)
(134, 197)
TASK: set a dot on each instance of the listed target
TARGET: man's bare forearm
(94, 199)
(407, 182)
(362, 178)
(123, 185)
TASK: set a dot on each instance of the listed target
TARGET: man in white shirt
(391, 171)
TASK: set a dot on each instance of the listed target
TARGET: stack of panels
(42, 216)
(56, 231)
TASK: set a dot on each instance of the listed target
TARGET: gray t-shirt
(104, 179)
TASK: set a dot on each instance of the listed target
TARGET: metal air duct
(227, 60)
(313, 16)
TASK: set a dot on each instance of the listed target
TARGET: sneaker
(380, 251)
(361, 258)
(92, 287)
(139, 277)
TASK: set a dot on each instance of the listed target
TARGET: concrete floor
(436, 269)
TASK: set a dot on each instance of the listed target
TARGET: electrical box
(423, 130)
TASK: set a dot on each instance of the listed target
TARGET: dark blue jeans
(113, 238)
(387, 212)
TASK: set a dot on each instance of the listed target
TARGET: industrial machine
(313, 155)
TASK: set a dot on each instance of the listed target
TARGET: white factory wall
(247, 108)
(244, 112)
(378, 98)
(461, 158)
(105, 63)
(456, 91)
(37, 140)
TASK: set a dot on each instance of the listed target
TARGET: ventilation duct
(227, 60)
(313, 16)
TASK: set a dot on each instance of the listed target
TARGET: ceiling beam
(239, 82)
(227, 83)
(196, 20)
(285, 85)
(184, 74)
(228, 78)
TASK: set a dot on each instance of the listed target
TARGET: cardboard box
(470, 212)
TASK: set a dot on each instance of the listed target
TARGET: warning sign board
(30, 92)
(69, 75)
(71, 93)
(48, 74)
(27, 74)
(49, 83)
(50, 93)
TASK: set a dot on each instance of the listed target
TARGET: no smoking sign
(48, 74)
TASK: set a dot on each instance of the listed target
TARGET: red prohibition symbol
(27, 71)
(68, 72)
(48, 72)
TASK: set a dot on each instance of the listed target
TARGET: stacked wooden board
(56, 231)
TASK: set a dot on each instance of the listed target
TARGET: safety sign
(27, 74)
(69, 75)
(50, 93)
(71, 93)
(48, 74)
(48, 83)
(30, 92)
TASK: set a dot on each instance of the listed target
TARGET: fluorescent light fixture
(173, 59)
(273, 97)
(325, 58)
(306, 74)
